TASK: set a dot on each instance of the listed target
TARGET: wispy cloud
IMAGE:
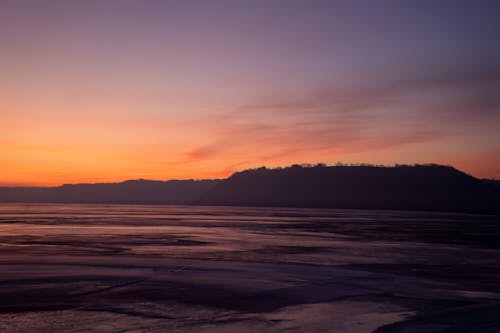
(375, 115)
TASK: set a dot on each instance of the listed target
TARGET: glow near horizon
(96, 91)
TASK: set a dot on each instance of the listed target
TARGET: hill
(419, 187)
(128, 192)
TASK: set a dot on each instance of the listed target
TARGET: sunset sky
(101, 91)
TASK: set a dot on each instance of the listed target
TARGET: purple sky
(109, 90)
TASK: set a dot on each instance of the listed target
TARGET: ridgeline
(419, 187)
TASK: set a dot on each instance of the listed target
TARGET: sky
(104, 91)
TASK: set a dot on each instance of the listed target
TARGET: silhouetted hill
(421, 187)
(426, 187)
(25, 194)
(494, 182)
(131, 191)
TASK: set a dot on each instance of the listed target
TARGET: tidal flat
(147, 268)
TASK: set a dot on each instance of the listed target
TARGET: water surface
(111, 268)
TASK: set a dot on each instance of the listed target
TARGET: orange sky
(55, 149)
(102, 92)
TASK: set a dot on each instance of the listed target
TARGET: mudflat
(137, 268)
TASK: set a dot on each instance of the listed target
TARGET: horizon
(283, 167)
(97, 91)
(249, 166)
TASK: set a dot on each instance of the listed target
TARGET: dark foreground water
(121, 268)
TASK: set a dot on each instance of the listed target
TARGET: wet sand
(122, 268)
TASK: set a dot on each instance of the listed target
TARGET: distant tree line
(344, 164)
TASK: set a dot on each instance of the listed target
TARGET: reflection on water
(269, 269)
(236, 233)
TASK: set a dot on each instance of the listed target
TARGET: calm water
(181, 268)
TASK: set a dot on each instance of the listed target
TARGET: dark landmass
(494, 182)
(418, 187)
(428, 187)
(128, 192)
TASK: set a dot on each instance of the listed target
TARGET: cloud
(376, 114)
